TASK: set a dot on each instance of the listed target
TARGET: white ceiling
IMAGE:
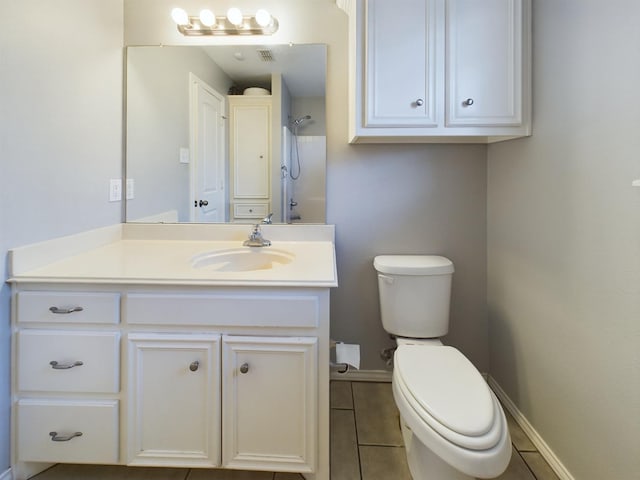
(303, 67)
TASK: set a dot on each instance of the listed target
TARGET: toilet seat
(447, 392)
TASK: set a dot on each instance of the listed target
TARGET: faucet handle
(267, 220)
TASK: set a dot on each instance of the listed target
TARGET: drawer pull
(64, 366)
(244, 368)
(65, 311)
(193, 366)
(63, 438)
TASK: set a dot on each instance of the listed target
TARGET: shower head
(298, 121)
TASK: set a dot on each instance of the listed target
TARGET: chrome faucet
(255, 238)
(267, 220)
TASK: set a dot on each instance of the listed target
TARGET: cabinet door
(400, 63)
(250, 150)
(484, 62)
(269, 403)
(174, 402)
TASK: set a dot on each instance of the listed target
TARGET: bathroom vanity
(135, 345)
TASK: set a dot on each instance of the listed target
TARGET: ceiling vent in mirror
(233, 23)
(266, 55)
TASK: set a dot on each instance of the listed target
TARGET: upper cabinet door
(400, 63)
(484, 62)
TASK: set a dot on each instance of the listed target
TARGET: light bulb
(234, 15)
(180, 16)
(207, 18)
(263, 18)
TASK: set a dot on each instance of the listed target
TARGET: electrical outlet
(130, 188)
(115, 190)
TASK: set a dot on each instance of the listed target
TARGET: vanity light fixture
(233, 23)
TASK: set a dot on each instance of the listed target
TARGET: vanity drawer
(269, 309)
(250, 210)
(97, 421)
(68, 307)
(99, 353)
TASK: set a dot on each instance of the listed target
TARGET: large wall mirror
(226, 133)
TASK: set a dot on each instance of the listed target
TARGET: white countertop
(163, 254)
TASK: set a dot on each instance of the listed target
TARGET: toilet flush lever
(387, 280)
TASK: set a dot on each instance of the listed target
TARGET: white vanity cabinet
(197, 376)
(439, 70)
(250, 154)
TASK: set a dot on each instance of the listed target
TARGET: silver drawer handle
(244, 368)
(65, 311)
(64, 366)
(63, 438)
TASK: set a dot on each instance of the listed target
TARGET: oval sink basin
(244, 259)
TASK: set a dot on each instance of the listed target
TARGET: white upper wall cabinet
(400, 46)
(424, 71)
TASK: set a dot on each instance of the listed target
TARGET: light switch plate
(115, 190)
(184, 155)
(130, 189)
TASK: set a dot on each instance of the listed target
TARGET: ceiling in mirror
(198, 150)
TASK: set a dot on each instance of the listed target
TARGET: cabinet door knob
(244, 368)
(468, 102)
(193, 366)
(419, 102)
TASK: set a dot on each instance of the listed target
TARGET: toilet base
(423, 463)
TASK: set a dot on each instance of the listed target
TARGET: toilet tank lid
(413, 264)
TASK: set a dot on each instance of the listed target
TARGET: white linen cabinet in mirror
(439, 71)
(250, 154)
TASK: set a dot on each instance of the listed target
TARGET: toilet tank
(414, 293)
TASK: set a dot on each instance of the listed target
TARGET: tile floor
(366, 444)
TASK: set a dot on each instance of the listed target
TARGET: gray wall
(564, 241)
(60, 132)
(158, 125)
(382, 199)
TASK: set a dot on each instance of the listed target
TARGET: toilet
(452, 424)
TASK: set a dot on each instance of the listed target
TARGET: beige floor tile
(517, 469)
(518, 437)
(344, 446)
(212, 474)
(341, 395)
(539, 466)
(110, 472)
(288, 476)
(383, 463)
(377, 418)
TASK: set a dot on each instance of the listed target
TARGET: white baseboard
(362, 376)
(6, 475)
(546, 452)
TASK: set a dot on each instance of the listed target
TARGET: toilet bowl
(452, 424)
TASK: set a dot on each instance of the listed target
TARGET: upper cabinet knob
(468, 102)
(419, 102)
(193, 366)
(244, 368)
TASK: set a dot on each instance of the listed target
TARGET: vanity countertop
(164, 254)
